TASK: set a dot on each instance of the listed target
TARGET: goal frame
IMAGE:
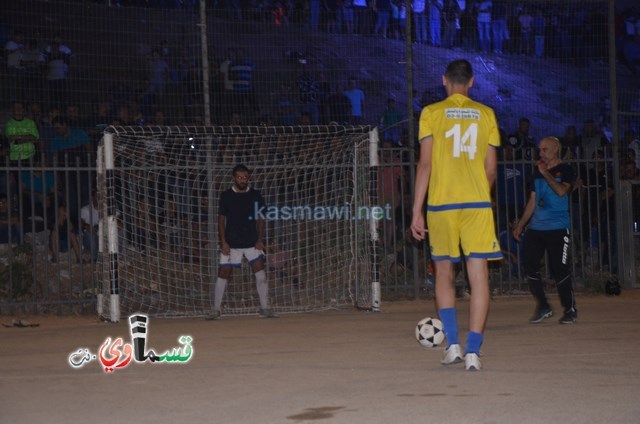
(108, 297)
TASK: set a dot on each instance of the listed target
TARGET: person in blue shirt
(548, 212)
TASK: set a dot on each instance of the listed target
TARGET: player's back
(462, 131)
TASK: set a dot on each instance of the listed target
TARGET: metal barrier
(405, 266)
(31, 282)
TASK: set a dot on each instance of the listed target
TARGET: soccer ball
(429, 332)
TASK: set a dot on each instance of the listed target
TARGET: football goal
(159, 191)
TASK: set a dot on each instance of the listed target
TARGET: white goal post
(159, 188)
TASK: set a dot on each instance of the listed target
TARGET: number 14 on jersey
(465, 143)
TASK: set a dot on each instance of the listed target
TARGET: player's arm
(526, 216)
(491, 165)
(224, 246)
(423, 174)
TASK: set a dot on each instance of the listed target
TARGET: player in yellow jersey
(458, 161)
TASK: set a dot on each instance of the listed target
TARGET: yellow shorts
(472, 228)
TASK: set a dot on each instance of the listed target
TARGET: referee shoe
(540, 315)
(569, 317)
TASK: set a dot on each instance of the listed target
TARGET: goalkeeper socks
(474, 341)
(221, 284)
(450, 324)
(261, 285)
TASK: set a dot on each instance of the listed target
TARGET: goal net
(159, 190)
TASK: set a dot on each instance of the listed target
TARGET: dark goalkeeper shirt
(239, 209)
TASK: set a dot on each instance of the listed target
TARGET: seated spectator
(68, 140)
(6, 177)
(89, 218)
(37, 187)
(10, 231)
(512, 251)
(629, 171)
(63, 235)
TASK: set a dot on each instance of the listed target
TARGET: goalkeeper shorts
(234, 258)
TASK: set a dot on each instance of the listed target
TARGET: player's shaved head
(459, 72)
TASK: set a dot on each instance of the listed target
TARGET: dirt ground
(332, 367)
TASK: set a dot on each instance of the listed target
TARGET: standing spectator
(58, 58)
(570, 143)
(484, 25)
(389, 180)
(361, 11)
(521, 141)
(510, 190)
(157, 73)
(499, 25)
(308, 88)
(10, 230)
(469, 27)
(241, 72)
(435, 18)
(383, 11)
(33, 60)
(348, 16)
(226, 85)
(592, 140)
(456, 177)
(314, 15)
(241, 235)
(339, 106)
(402, 20)
(539, 26)
(356, 97)
(632, 142)
(526, 32)
(389, 124)
(420, 20)
(331, 14)
(451, 15)
(14, 50)
(22, 134)
(548, 210)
